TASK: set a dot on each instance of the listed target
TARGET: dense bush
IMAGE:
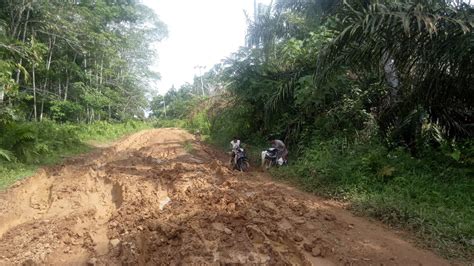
(33, 142)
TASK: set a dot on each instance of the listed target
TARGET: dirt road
(157, 197)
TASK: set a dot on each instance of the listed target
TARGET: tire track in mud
(147, 201)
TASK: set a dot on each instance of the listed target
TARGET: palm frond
(431, 44)
(6, 154)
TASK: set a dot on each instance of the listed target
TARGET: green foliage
(364, 63)
(198, 120)
(167, 123)
(63, 110)
(77, 61)
(102, 130)
(11, 172)
(275, 95)
(183, 108)
(229, 122)
(7, 115)
(26, 146)
(175, 104)
(431, 196)
(6, 155)
(421, 51)
(34, 142)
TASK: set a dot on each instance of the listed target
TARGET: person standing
(235, 144)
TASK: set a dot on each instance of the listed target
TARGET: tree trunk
(16, 21)
(2, 93)
(66, 88)
(42, 108)
(126, 105)
(17, 79)
(51, 47)
(67, 85)
(202, 87)
(34, 93)
(391, 75)
(48, 66)
(97, 77)
(101, 71)
(59, 89)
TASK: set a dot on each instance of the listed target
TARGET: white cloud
(200, 33)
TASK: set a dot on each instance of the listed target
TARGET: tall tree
(89, 56)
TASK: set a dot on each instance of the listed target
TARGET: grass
(104, 131)
(164, 123)
(12, 172)
(431, 196)
(33, 145)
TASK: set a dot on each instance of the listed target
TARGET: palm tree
(430, 45)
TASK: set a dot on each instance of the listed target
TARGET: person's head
(235, 138)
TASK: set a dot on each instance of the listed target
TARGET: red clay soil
(147, 201)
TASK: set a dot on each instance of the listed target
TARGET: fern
(7, 155)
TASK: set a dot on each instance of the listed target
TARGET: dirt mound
(157, 197)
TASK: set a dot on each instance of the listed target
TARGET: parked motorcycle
(241, 161)
(269, 158)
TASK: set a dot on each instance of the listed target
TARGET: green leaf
(7, 155)
(456, 155)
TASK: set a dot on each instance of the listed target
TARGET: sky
(201, 33)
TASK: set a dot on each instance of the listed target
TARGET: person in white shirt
(235, 144)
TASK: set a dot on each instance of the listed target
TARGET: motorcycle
(269, 158)
(241, 161)
(197, 136)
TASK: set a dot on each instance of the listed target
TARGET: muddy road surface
(159, 197)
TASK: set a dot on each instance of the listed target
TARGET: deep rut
(146, 200)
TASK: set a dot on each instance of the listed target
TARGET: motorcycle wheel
(243, 165)
(267, 164)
